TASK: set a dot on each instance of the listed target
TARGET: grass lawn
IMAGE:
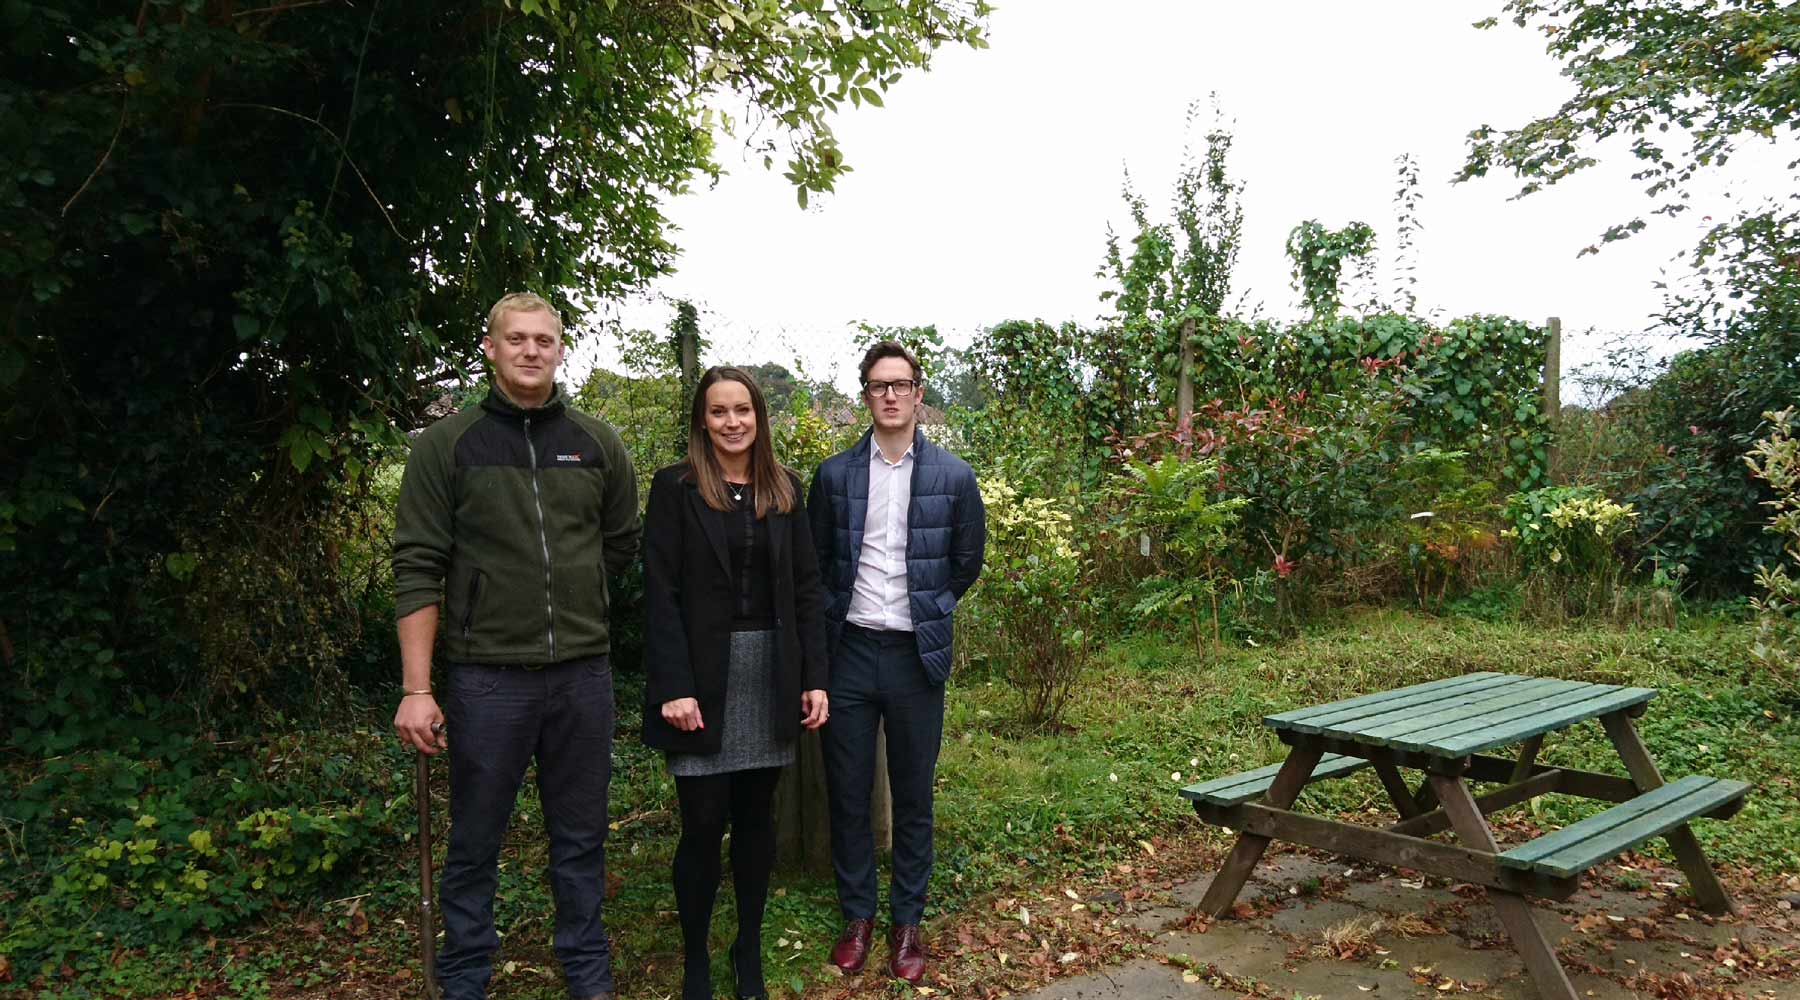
(1022, 815)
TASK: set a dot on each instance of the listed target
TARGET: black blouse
(748, 539)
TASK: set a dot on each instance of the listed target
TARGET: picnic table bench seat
(1233, 789)
(1607, 834)
(1445, 728)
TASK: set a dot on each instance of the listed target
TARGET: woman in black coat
(736, 657)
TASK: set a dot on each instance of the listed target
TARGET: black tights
(744, 798)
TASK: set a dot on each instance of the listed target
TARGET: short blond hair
(522, 302)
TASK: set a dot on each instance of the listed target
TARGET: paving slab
(1155, 918)
(1616, 943)
(1143, 978)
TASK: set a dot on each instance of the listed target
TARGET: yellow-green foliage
(1033, 599)
(1776, 461)
(1024, 530)
(1569, 529)
(803, 437)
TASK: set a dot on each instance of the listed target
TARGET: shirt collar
(875, 455)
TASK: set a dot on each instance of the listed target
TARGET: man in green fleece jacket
(512, 517)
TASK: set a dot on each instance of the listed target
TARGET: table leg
(1426, 796)
(1702, 880)
(1396, 789)
(1515, 913)
(1249, 848)
(1527, 758)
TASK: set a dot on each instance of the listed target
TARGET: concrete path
(1318, 929)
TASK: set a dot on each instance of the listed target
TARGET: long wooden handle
(427, 918)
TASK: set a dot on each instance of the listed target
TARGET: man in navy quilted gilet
(900, 531)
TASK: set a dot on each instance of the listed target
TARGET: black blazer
(690, 596)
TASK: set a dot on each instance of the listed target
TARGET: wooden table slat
(1504, 732)
(1543, 699)
(1382, 729)
(1417, 698)
(1282, 719)
(1600, 822)
(1580, 846)
(1234, 788)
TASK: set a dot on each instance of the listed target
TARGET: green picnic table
(1448, 730)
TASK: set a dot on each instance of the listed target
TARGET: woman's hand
(814, 708)
(683, 714)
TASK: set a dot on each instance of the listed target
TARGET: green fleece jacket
(514, 519)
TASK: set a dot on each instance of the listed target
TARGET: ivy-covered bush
(1474, 384)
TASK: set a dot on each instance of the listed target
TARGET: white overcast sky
(982, 191)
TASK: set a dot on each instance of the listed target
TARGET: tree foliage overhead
(243, 242)
(1688, 83)
(1684, 80)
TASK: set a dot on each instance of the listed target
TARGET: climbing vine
(1319, 255)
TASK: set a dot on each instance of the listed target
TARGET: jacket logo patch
(569, 458)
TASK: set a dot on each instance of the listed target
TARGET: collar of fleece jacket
(498, 404)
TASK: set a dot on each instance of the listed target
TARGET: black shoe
(747, 987)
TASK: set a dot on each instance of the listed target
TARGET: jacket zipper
(543, 540)
(468, 622)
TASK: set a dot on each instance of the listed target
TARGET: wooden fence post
(1184, 389)
(1553, 369)
(1552, 388)
(802, 814)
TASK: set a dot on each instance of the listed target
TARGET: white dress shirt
(878, 599)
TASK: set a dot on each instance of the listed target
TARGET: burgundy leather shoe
(852, 949)
(908, 961)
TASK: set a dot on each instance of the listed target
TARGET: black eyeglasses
(903, 387)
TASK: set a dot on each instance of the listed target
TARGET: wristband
(404, 693)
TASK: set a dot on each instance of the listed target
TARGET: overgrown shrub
(1776, 461)
(1315, 472)
(1671, 434)
(804, 438)
(1185, 528)
(1567, 540)
(1449, 523)
(174, 832)
(1033, 602)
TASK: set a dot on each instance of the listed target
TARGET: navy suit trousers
(876, 678)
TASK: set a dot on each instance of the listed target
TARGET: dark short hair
(888, 349)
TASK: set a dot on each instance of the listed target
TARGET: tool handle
(427, 916)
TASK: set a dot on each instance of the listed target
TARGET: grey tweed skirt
(749, 736)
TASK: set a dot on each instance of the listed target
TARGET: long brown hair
(768, 480)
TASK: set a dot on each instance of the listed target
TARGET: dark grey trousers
(500, 720)
(876, 677)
